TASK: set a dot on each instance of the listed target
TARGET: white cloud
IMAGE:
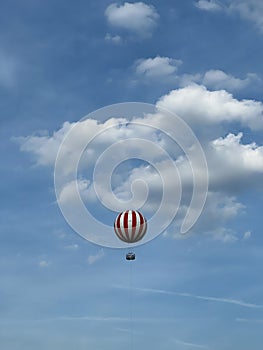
(197, 105)
(67, 194)
(217, 79)
(232, 165)
(241, 157)
(138, 18)
(44, 147)
(251, 10)
(208, 5)
(157, 67)
(96, 257)
(165, 69)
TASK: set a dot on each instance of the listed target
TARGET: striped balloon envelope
(130, 226)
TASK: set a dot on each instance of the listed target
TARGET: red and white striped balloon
(130, 226)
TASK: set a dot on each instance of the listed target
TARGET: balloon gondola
(130, 256)
(130, 227)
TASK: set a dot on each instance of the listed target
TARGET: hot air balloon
(130, 226)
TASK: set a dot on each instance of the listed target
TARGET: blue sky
(61, 61)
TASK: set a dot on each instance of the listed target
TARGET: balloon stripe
(119, 228)
(118, 221)
(137, 236)
(134, 224)
(137, 226)
(125, 224)
(140, 225)
(129, 225)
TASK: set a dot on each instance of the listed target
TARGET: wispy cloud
(92, 318)
(247, 235)
(72, 247)
(200, 297)
(124, 321)
(247, 320)
(8, 70)
(249, 10)
(94, 258)
(44, 263)
(188, 344)
(87, 318)
(208, 5)
(83, 318)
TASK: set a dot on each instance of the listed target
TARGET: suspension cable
(131, 305)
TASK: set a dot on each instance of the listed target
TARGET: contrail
(200, 297)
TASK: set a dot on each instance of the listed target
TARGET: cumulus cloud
(44, 147)
(248, 157)
(156, 67)
(166, 70)
(137, 18)
(232, 164)
(196, 104)
(67, 194)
